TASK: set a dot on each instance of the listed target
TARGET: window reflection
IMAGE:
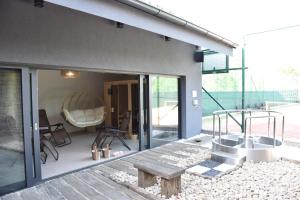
(164, 109)
(12, 172)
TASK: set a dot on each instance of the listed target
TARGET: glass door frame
(35, 175)
(144, 126)
(31, 138)
(145, 117)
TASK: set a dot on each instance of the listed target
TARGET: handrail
(266, 116)
(270, 114)
(232, 117)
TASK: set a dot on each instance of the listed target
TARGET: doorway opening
(88, 110)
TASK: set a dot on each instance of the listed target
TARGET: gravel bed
(273, 180)
(191, 159)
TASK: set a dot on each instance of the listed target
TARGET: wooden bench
(170, 176)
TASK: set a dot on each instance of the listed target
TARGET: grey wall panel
(119, 12)
(55, 36)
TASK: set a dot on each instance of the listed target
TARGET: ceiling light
(70, 73)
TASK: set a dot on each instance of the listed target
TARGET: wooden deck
(110, 181)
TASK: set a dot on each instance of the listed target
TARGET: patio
(118, 179)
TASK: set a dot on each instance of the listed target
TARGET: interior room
(92, 117)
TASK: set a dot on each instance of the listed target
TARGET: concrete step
(229, 158)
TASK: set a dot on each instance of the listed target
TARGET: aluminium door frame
(141, 113)
(31, 145)
(181, 82)
(35, 125)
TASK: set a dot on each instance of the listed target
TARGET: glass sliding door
(12, 157)
(164, 107)
(19, 146)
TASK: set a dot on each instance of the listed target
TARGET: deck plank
(52, 192)
(12, 196)
(160, 169)
(34, 193)
(106, 170)
(151, 156)
(102, 181)
(131, 160)
(159, 157)
(103, 187)
(121, 166)
(67, 190)
(129, 193)
(86, 190)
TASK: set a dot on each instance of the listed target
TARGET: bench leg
(171, 187)
(145, 179)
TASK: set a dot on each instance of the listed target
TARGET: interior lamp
(70, 73)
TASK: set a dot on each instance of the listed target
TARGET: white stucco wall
(55, 37)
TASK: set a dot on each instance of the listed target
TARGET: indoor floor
(77, 155)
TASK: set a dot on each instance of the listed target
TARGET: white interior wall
(53, 89)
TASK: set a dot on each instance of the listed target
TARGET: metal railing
(270, 115)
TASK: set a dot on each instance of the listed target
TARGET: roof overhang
(144, 16)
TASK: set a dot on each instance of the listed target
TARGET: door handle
(35, 126)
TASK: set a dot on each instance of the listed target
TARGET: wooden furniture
(170, 176)
(119, 96)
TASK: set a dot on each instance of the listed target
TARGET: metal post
(245, 134)
(250, 125)
(226, 123)
(274, 132)
(214, 118)
(243, 89)
(219, 129)
(282, 128)
(269, 124)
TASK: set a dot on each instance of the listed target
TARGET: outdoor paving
(118, 179)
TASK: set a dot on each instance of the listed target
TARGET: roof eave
(177, 20)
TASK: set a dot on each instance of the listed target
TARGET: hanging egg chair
(83, 109)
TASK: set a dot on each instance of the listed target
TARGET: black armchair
(118, 133)
(58, 134)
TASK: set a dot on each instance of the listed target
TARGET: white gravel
(273, 180)
(191, 159)
(123, 177)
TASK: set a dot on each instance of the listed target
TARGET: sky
(234, 18)
(266, 54)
